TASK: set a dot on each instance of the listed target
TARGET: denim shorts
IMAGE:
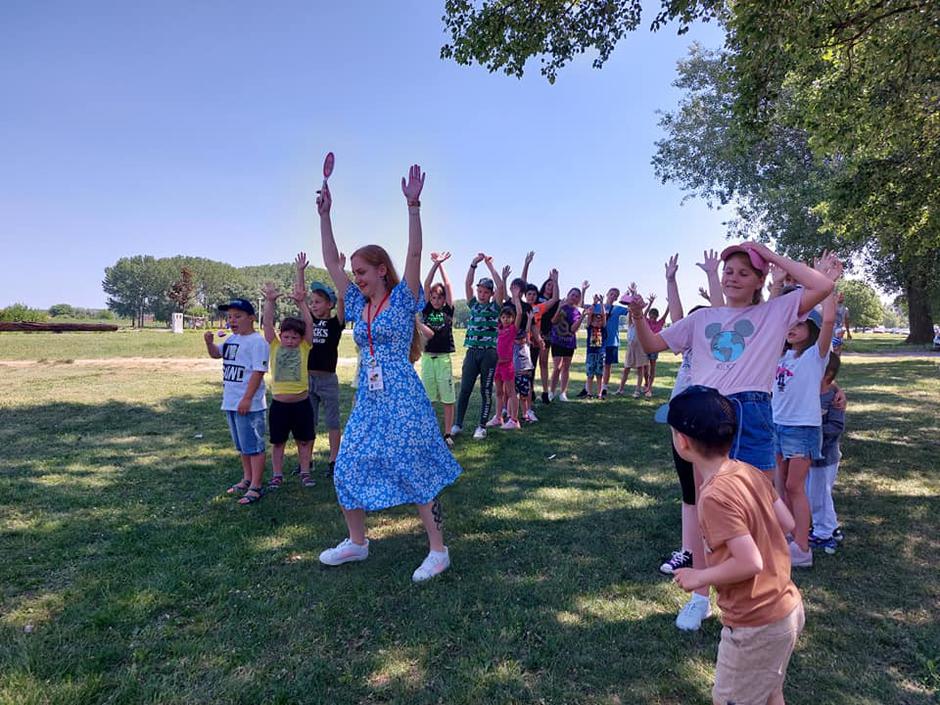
(594, 363)
(754, 443)
(247, 431)
(798, 441)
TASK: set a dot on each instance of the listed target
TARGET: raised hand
(672, 266)
(324, 199)
(412, 188)
(652, 298)
(829, 265)
(300, 261)
(208, 337)
(632, 289)
(709, 261)
(585, 284)
(529, 256)
(270, 292)
(299, 296)
(479, 258)
(553, 275)
(598, 299)
(506, 271)
(637, 306)
(765, 252)
(342, 260)
(704, 294)
(440, 257)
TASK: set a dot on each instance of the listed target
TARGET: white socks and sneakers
(697, 609)
(347, 551)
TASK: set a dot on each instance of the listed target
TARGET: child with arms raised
(244, 356)
(822, 474)
(437, 324)
(290, 411)
(596, 345)
(735, 349)
(797, 413)
(743, 523)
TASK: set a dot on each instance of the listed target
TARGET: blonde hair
(375, 256)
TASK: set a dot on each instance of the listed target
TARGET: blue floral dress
(392, 450)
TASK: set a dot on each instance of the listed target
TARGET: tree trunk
(918, 311)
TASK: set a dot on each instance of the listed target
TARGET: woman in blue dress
(392, 452)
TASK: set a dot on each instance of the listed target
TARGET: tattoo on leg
(437, 511)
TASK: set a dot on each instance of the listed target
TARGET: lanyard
(369, 321)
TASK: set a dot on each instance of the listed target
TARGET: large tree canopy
(825, 116)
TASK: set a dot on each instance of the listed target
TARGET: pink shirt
(736, 349)
(655, 324)
(504, 340)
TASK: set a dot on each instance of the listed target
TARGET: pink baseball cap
(757, 261)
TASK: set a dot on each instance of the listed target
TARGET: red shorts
(505, 372)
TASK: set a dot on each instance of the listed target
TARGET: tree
(865, 308)
(57, 310)
(22, 313)
(133, 285)
(182, 290)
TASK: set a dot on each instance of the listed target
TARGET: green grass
(129, 577)
(882, 343)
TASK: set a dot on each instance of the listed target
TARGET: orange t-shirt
(735, 501)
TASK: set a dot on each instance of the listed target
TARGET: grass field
(129, 577)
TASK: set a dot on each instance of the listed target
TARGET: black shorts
(686, 477)
(286, 418)
(523, 384)
(562, 351)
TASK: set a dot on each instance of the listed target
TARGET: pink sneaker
(510, 425)
(494, 422)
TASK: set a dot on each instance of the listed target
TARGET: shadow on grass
(142, 581)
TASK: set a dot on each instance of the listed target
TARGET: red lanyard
(369, 321)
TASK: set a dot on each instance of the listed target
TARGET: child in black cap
(743, 523)
(244, 357)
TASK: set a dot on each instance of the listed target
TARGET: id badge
(375, 378)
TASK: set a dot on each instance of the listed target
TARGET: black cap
(240, 304)
(701, 413)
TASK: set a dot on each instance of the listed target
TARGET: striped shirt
(482, 328)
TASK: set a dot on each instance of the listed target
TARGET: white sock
(699, 598)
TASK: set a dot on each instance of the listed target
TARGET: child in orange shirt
(743, 523)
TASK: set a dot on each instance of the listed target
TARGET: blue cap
(816, 317)
(239, 304)
(323, 289)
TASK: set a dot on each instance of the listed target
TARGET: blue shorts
(836, 342)
(247, 431)
(594, 363)
(652, 357)
(798, 441)
(611, 355)
(754, 443)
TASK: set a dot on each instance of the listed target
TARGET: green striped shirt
(483, 326)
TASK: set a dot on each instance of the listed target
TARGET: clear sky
(200, 129)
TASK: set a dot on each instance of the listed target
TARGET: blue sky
(200, 129)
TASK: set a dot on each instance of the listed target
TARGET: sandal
(252, 495)
(242, 486)
(275, 482)
(306, 480)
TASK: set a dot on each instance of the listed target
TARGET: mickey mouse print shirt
(736, 349)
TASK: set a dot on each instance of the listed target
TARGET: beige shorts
(636, 356)
(752, 661)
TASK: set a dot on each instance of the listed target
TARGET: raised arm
(673, 303)
(211, 347)
(525, 265)
(271, 294)
(300, 299)
(341, 296)
(599, 308)
(831, 267)
(439, 258)
(300, 266)
(517, 302)
(709, 265)
(500, 293)
(429, 279)
(816, 285)
(412, 191)
(650, 342)
(556, 293)
(585, 285)
(328, 242)
(471, 273)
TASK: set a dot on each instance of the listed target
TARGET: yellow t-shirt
(288, 371)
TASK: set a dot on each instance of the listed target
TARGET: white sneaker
(563, 396)
(691, 615)
(434, 564)
(454, 430)
(530, 416)
(345, 552)
(479, 434)
(494, 422)
(800, 558)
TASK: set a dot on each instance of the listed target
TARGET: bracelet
(414, 204)
(473, 266)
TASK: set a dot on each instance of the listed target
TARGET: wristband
(414, 204)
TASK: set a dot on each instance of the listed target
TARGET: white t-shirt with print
(736, 349)
(242, 355)
(796, 389)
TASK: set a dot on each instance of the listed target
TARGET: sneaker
(454, 430)
(618, 393)
(479, 434)
(530, 416)
(838, 535)
(828, 545)
(434, 564)
(494, 422)
(448, 440)
(648, 394)
(679, 559)
(563, 397)
(636, 394)
(510, 425)
(345, 552)
(545, 398)
(800, 558)
(693, 613)
(604, 393)
(583, 393)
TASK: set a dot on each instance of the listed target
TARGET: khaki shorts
(437, 375)
(324, 391)
(636, 356)
(752, 661)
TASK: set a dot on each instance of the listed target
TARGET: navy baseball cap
(701, 413)
(323, 289)
(239, 304)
